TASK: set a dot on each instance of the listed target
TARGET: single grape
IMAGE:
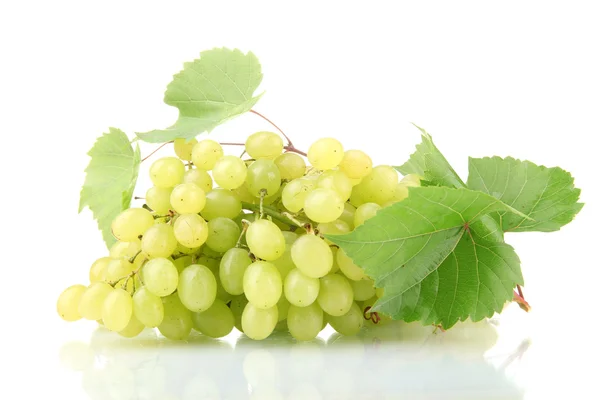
(221, 203)
(349, 323)
(337, 227)
(160, 276)
(237, 305)
(133, 328)
(232, 268)
(291, 166)
(216, 322)
(183, 148)
(312, 256)
(90, 303)
(223, 234)
(336, 181)
(305, 323)
(177, 321)
(206, 153)
(125, 249)
(159, 241)
(167, 172)
(400, 192)
(197, 287)
(262, 284)
(190, 230)
(265, 240)
(131, 223)
(326, 153)
(413, 180)
(290, 237)
(199, 177)
(335, 295)
(379, 186)
(295, 192)
(348, 215)
(348, 268)
(323, 205)
(159, 199)
(285, 264)
(363, 289)
(283, 306)
(300, 290)
(263, 176)
(356, 164)
(98, 269)
(67, 305)
(230, 172)
(118, 269)
(148, 307)
(117, 310)
(259, 323)
(364, 212)
(188, 198)
(264, 145)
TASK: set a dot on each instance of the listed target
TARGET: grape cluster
(249, 253)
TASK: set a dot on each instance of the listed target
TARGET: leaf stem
(517, 298)
(155, 150)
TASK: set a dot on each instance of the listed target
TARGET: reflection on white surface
(395, 361)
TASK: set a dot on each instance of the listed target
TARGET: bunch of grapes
(249, 253)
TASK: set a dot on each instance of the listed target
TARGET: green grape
(232, 268)
(237, 305)
(221, 292)
(356, 164)
(336, 181)
(379, 292)
(264, 145)
(167, 172)
(337, 227)
(363, 289)
(400, 192)
(159, 199)
(412, 180)
(98, 269)
(183, 148)
(190, 230)
(348, 268)
(262, 284)
(133, 328)
(323, 205)
(285, 264)
(125, 249)
(221, 203)
(326, 153)
(187, 250)
(177, 321)
(159, 241)
(265, 240)
(283, 306)
(377, 187)
(160, 276)
(148, 307)
(348, 215)
(131, 223)
(206, 153)
(291, 166)
(181, 262)
(290, 237)
(349, 323)
(230, 172)
(223, 234)
(335, 295)
(356, 198)
(188, 198)
(90, 303)
(335, 267)
(117, 310)
(263, 176)
(216, 322)
(282, 324)
(67, 305)
(295, 192)
(300, 290)
(259, 323)
(197, 288)
(312, 256)
(117, 269)
(364, 212)
(305, 323)
(199, 177)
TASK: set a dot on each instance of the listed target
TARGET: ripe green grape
(326, 153)
(312, 256)
(295, 192)
(216, 322)
(181, 262)
(412, 180)
(237, 305)
(206, 153)
(223, 234)
(323, 205)
(259, 323)
(348, 215)
(159, 199)
(117, 269)
(335, 295)
(291, 166)
(133, 328)
(221, 203)
(285, 264)
(197, 288)
(290, 237)
(262, 284)
(131, 223)
(356, 164)
(263, 175)
(183, 148)
(336, 181)
(159, 241)
(90, 303)
(337, 227)
(363, 289)
(232, 268)
(230, 172)
(305, 323)
(190, 230)
(264, 145)
(187, 250)
(283, 306)
(221, 292)
(98, 269)
(188, 198)
(67, 305)
(349, 323)
(167, 172)
(160, 276)
(400, 192)
(177, 321)
(364, 212)
(265, 240)
(117, 310)
(148, 307)
(348, 268)
(300, 290)
(377, 187)
(199, 177)
(335, 267)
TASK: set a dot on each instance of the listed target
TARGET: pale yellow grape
(177, 321)
(188, 198)
(199, 177)
(183, 148)
(295, 192)
(159, 241)
(117, 310)
(400, 192)
(148, 307)
(348, 215)
(335, 295)
(259, 323)
(262, 284)
(186, 250)
(364, 212)
(223, 234)
(290, 237)
(133, 328)
(206, 153)
(159, 199)
(216, 322)
(363, 289)
(197, 287)
(131, 223)
(323, 205)
(160, 276)
(264, 145)
(337, 227)
(291, 166)
(190, 230)
(265, 240)
(125, 249)
(312, 256)
(356, 164)
(237, 305)
(326, 153)
(305, 323)
(67, 304)
(221, 203)
(263, 175)
(118, 269)
(232, 268)
(349, 323)
(167, 172)
(90, 303)
(98, 269)
(300, 290)
(348, 268)
(230, 172)
(378, 187)
(285, 264)
(181, 262)
(336, 181)
(283, 306)
(221, 292)
(412, 180)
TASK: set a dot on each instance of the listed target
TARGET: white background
(509, 78)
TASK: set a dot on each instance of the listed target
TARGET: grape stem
(245, 225)
(155, 150)
(273, 213)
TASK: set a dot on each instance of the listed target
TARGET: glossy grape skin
(221, 203)
(312, 256)
(348, 215)
(232, 268)
(134, 328)
(183, 148)
(230, 172)
(262, 284)
(300, 290)
(223, 234)
(206, 153)
(197, 288)
(323, 205)
(336, 181)
(264, 145)
(291, 166)
(305, 323)
(364, 212)
(199, 177)
(167, 172)
(335, 295)
(215, 322)
(377, 187)
(148, 308)
(187, 198)
(190, 230)
(349, 323)
(348, 268)
(265, 240)
(258, 323)
(92, 299)
(67, 305)
(263, 175)
(117, 310)
(325, 153)
(363, 289)
(159, 241)
(356, 164)
(131, 223)
(160, 276)
(159, 199)
(98, 269)
(177, 321)
(295, 192)
(237, 306)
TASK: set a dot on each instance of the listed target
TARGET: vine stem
(155, 150)
(521, 302)
(273, 213)
(290, 144)
(289, 148)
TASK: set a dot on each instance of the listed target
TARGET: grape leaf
(547, 195)
(110, 179)
(433, 267)
(209, 91)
